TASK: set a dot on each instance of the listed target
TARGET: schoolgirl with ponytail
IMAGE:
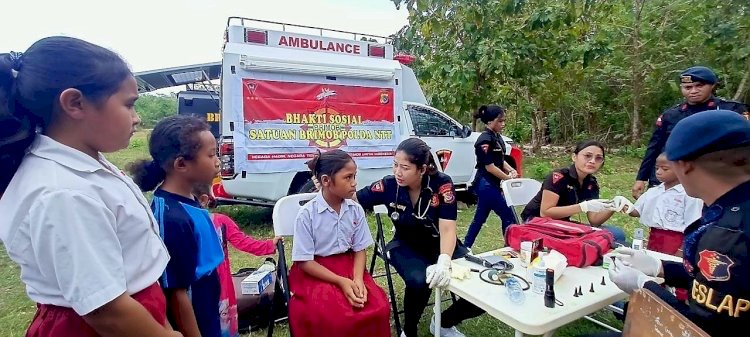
(78, 227)
(183, 152)
(328, 277)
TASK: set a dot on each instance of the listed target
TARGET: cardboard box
(256, 282)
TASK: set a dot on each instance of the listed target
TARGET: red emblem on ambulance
(444, 156)
(715, 266)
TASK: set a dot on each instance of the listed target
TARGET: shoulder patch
(556, 176)
(658, 121)
(683, 107)
(485, 147)
(447, 187)
(715, 266)
(377, 186)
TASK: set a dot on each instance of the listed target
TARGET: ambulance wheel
(307, 187)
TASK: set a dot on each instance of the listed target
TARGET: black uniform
(716, 267)
(563, 182)
(489, 149)
(416, 243)
(667, 121)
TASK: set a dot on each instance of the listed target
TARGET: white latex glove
(439, 274)
(513, 174)
(626, 278)
(638, 259)
(596, 205)
(623, 204)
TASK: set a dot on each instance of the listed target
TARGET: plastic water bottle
(515, 291)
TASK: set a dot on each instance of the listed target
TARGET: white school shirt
(80, 229)
(320, 231)
(670, 209)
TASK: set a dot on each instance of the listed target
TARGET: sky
(155, 34)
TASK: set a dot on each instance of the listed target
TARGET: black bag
(253, 310)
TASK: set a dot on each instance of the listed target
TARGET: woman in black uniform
(422, 204)
(491, 170)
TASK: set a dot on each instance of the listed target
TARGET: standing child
(667, 210)
(184, 154)
(228, 231)
(333, 295)
(80, 230)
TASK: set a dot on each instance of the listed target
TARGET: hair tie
(15, 60)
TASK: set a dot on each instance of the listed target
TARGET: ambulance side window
(428, 122)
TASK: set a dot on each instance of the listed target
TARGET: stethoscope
(395, 215)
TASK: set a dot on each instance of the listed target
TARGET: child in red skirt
(78, 227)
(667, 210)
(332, 294)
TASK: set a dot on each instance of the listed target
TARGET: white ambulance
(286, 95)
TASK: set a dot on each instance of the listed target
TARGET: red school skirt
(667, 242)
(318, 308)
(51, 320)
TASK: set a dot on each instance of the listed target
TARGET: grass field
(616, 178)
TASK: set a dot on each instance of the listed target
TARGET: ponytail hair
(173, 137)
(419, 154)
(328, 163)
(488, 113)
(31, 83)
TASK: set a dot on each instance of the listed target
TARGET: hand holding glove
(439, 274)
(596, 205)
(623, 204)
(638, 259)
(626, 278)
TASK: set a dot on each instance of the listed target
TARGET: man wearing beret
(712, 164)
(697, 85)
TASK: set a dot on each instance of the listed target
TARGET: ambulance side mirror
(466, 131)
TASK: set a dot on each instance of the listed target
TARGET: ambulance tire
(307, 187)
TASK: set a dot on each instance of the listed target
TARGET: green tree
(153, 107)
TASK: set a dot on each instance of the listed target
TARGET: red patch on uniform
(449, 197)
(711, 104)
(556, 176)
(435, 200)
(658, 121)
(485, 147)
(684, 107)
(715, 266)
(377, 187)
(591, 187)
(445, 188)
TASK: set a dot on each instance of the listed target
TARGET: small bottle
(537, 283)
(549, 289)
(515, 292)
(637, 239)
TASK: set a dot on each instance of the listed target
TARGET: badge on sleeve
(377, 187)
(715, 266)
(446, 190)
(556, 176)
(485, 147)
(658, 121)
(435, 200)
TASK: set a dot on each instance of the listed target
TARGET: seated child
(332, 294)
(667, 210)
(228, 231)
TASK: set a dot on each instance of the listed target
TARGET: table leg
(519, 333)
(549, 333)
(438, 311)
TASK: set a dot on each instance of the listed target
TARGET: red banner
(311, 103)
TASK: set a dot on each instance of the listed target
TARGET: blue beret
(706, 132)
(698, 74)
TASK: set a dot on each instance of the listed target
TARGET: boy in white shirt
(667, 210)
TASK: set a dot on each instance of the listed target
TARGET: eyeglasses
(597, 159)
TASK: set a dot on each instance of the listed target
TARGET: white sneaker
(446, 332)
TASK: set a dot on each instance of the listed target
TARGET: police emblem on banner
(384, 99)
(444, 156)
(715, 266)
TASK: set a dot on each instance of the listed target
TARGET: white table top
(532, 317)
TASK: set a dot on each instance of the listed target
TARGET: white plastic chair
(518, 192)
(284, 217)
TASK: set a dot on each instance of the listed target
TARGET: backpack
(581, 244)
